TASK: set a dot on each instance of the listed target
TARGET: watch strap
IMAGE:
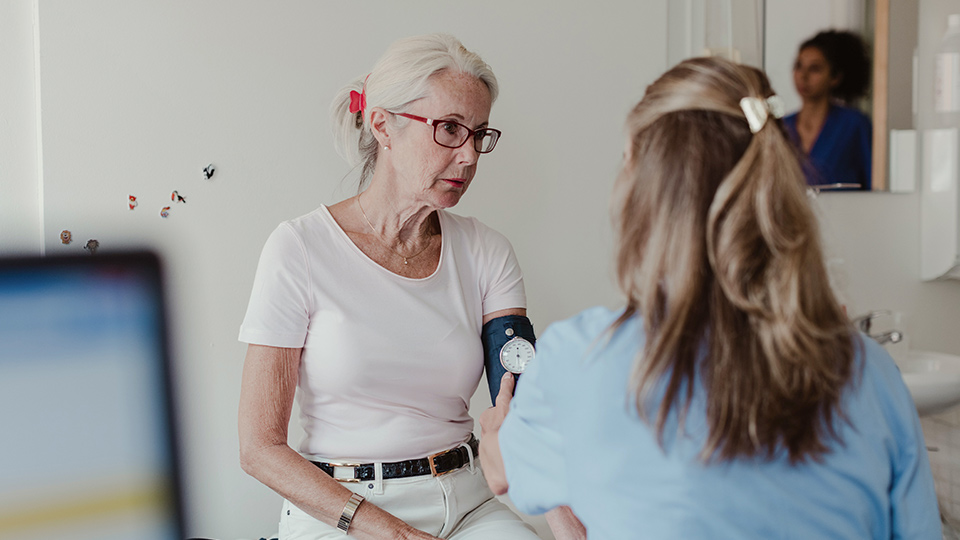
(349, 510)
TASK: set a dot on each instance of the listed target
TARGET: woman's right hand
(374, 523)
(565, 525)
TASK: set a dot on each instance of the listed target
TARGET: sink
(933, 379)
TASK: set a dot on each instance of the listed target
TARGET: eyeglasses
(452, 134)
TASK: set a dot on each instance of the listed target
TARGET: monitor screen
(88, 445)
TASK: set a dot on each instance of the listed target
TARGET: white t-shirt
(389, 363)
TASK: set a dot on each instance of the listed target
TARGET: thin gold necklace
(384, 240)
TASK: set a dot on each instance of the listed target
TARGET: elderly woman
(371, 311)
(731, 398)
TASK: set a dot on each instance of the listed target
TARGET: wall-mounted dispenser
(939, 116)
(939, 205)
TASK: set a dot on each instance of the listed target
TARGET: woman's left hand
(490, 422)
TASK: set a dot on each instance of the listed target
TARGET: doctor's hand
(490, 422)
(563, 523)
(492, 418)
(507, 384)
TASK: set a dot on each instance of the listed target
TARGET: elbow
(248, 459)
(252, 457)
(497, 481)
(499, 486)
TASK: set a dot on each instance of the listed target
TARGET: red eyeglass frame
(472, 133)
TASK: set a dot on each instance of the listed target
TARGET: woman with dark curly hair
(831, 73)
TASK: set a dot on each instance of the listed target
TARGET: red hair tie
(358, 100)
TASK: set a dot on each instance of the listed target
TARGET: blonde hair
(400, 77)
(719, 253)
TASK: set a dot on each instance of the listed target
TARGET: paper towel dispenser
(940, 205)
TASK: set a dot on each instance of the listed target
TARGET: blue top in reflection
(842, 152)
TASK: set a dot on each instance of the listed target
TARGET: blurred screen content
(88, 446)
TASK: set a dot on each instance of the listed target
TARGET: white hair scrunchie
(758, 109)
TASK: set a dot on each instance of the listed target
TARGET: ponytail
(719, 253)
(352, 137)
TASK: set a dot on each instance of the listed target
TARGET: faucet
(893, 336)
(865, 322)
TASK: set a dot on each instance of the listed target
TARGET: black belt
(435, 465)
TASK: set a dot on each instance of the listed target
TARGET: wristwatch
(349, 509)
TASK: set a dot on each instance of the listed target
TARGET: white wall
(137, 97)
(873, 243)
(20, 202)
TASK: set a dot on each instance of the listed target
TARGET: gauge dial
(516, 354)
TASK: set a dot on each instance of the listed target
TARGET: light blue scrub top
(573, 437)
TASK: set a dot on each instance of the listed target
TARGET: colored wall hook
(165, 212)
(92, 246)
(209, 170)
(66, 237)
(177, 197)
(133, 202)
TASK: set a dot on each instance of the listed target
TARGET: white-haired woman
(731, 398)
(373, 308)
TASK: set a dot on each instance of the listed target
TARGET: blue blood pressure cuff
(507, 342)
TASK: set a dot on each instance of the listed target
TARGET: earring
(386, 147)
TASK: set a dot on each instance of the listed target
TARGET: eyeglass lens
(453, 135)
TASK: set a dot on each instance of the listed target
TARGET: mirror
(842, 152)
(733, 29)
(888, 28)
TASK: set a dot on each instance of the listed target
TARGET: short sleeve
(913, 498)
(278, 311)
(502, 282)
(530, 441)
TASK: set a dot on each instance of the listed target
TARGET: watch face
(516, 354)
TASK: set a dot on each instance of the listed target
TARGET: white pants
(456, 506)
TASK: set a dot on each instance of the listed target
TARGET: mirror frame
(881, 67)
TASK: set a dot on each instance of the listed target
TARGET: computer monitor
(88, 446)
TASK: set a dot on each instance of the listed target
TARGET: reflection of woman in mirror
(831, 72)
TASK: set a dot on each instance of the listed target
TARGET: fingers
(507, 384)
